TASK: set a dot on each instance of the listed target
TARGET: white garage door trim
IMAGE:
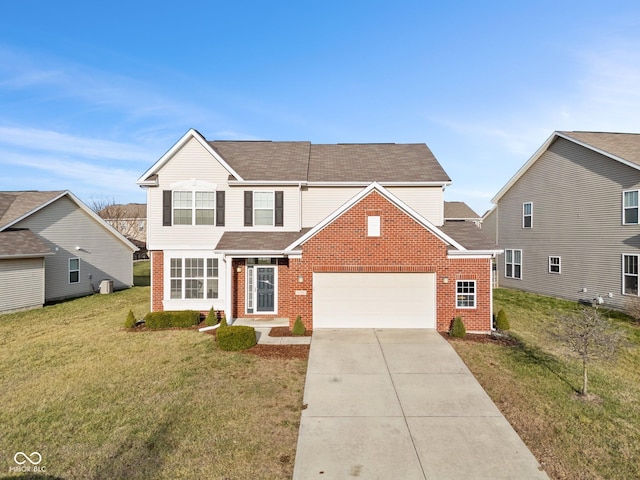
(374, 300)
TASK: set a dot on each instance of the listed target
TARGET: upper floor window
(630, 274)
(466, 294)
(527, 215)
(513, 263)
(263, 208)
(554, 264)
(193, 208)
(630, 207)
(74, 270)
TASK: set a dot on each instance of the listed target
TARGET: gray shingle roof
(622, 145)
(458, 211)
(468, 235)
(303, 161)
(14, 205)
(22, 243)
(256, 241)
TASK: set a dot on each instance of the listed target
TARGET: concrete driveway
(401, 404)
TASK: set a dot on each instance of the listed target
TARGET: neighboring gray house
(460, 211)
(568, 219)
(52, 247)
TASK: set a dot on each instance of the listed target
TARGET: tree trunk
(584, 376)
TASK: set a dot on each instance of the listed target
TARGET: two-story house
(568, 219)
(346, 235)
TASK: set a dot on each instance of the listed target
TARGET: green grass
(99, 402)
(142, 273)
(535, 387)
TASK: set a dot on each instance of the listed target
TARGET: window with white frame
(513, 263)
(193, 278)
(373, 226)
(554, 264)
(630, 274)
(630, 207)
(466, 294)
(193, 208)
(74, 270)
(263, 208)
(527, 215)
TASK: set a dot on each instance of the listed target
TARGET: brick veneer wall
(403, 246)
(157, 280)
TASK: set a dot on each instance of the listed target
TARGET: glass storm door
(265, 289)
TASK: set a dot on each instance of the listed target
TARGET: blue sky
(92, 94)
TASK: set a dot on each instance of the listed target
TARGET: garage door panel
(374, 300)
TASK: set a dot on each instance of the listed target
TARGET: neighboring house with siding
(568, 219)
(347, 235)
(52, 247)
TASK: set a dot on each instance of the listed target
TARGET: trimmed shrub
(457, 328)
(223, 321)
(298, 327)
(130, 322)
(183, 319)
(236, 338)
(502, 322)
(212, 318)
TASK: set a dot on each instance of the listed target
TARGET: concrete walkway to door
(401, 404)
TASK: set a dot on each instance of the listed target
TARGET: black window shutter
(220, 208)
(279, 211)
(248, 209)
(166, 208)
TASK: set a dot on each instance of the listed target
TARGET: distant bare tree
(127, 219)
(589, 336)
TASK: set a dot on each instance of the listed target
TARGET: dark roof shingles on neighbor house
(622, 145)
(459, 211)
(14, 205)
(22, 243)
(303, 161)
(469, 235)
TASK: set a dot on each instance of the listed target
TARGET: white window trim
(525, 215)
(513, 264)
(273, 208)
(624, 209)
(624, 274)
(195, 303)
(474, 294)
(559, 264)
(69, 270)
(194, 208)
(373, 225)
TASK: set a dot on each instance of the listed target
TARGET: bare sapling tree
(124, 218)
(632, 308)
(589, 336)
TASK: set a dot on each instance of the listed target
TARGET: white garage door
(374, 300)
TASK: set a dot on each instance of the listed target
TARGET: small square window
(373, 226)
(554, 264)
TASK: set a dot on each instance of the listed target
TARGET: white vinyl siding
(513, 263)
(465, 294)
(22, 283)
(554, 264)
(630, 274)
(630, 207)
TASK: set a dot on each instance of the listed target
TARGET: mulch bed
(500, 339)
(280, 351)
(286, 332)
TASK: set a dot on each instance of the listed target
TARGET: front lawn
(535, 387)
(99, 402)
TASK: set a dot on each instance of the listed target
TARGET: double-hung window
(74, 270)
(193, 208)
(193, 278)
(527, 215)
(630, 274)
(554, 264)
(466, 294)
(263, 208)
(630, 207)
(513, 263)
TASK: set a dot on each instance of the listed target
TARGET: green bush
(223, 320)
(236, 338)
(457, 328)
(130, 322)
(298, 327)
(183, 318)
(502, 322)
(212, 318)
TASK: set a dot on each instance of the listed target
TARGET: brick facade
(157, 280)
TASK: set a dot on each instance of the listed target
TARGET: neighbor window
(513, 263)
(466, 294)
(630, 274)
(74, 270)
(554, 264)
(263, 204)
(630, 207)
(193, 208)
(527, 215)
(193, 278)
